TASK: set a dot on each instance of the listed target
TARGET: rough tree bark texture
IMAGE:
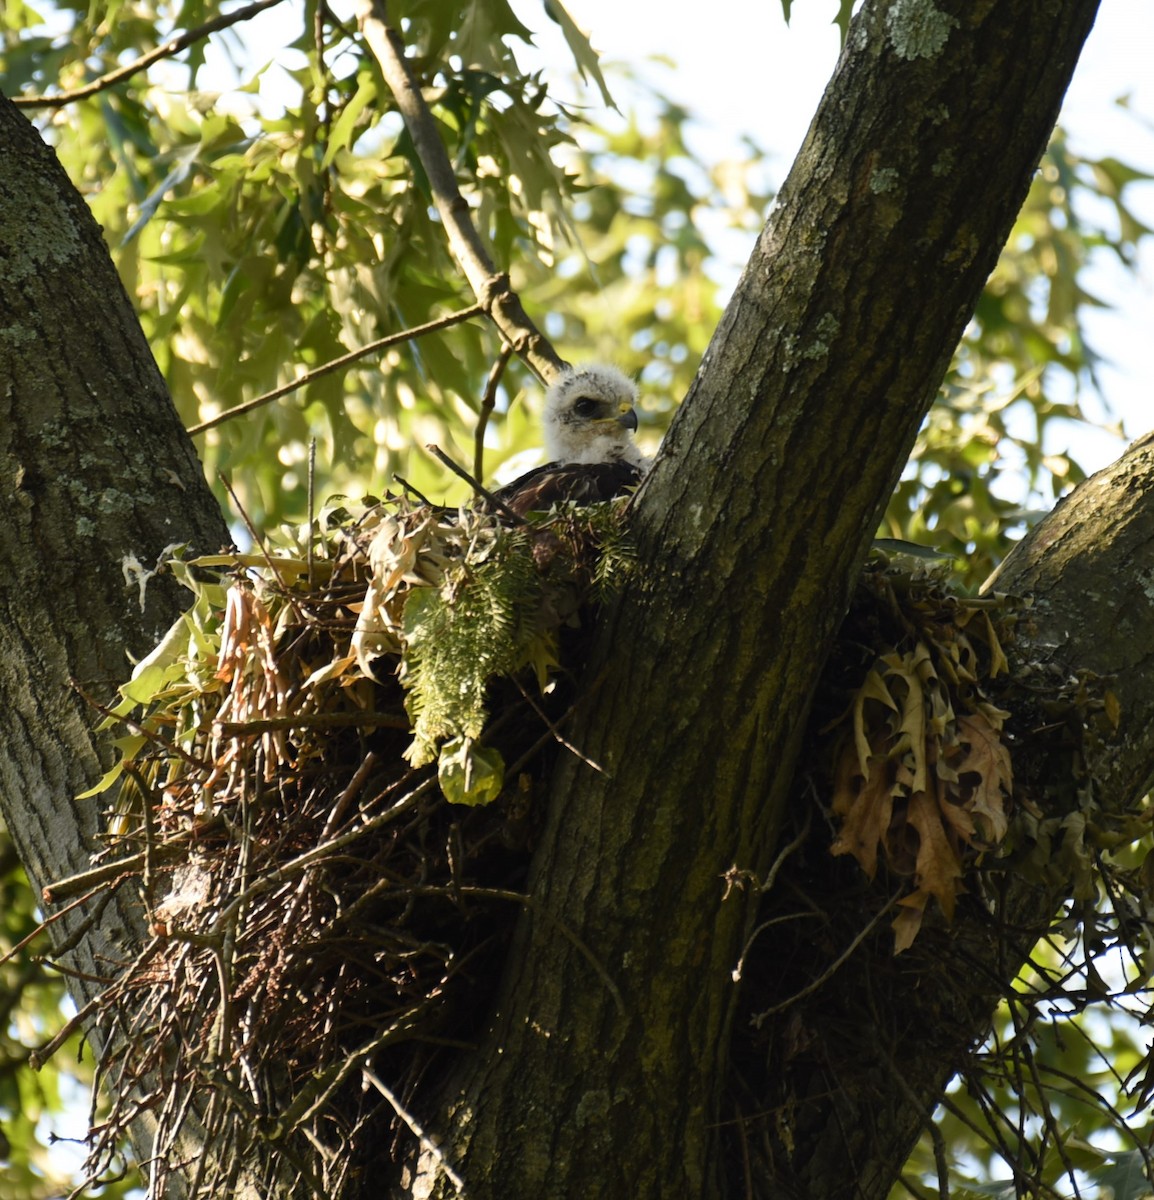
(885, 1037)
(97, 475)
(750, 530)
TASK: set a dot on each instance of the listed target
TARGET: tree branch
(491, 288)
(167, 50)
(336, 364)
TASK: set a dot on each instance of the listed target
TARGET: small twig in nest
(167, 746)
(413, 491)
(335, 720)
(258, 542)
(427, 1144)
(557, 737)
(824, 977)
(488, 402)
(50, 920)
(442, 457)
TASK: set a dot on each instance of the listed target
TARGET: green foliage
(479, 623)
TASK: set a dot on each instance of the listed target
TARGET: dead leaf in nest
(927, 778)
(865, 813)
(938, 870)
(912, 723)
(873, 688)
(987, 757)
(908, 922)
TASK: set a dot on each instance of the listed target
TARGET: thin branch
(49, 920)
(558, 737)
(465, 314)
(334, 720)
(824, 977)
(257, 541)
(427, 1144)
(167, 50)
(491, 288)
(488, 401)
(135, 726)
(461, 473)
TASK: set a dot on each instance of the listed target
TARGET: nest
(331, 777)
(330, 852)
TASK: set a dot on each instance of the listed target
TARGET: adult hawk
(588, 429)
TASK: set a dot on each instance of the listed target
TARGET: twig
(824, 977)
(538, 909)
(335, 720)
(307, 858)
(419, 495)
(350, 793)
(135, 726)
(488, 401)
(49, 920)
(270, 562)
(62, 889)
(312, 501)
(167, 50)
(461, 473)
(492, 290)
(464, 314)
(557, 735)
(45, 1052)
(427, 1144)
(940, 1161)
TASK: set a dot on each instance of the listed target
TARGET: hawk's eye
(585, 407)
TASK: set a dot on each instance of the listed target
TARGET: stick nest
(331, 776)
(330, 854)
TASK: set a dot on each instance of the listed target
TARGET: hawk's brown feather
(574, 483)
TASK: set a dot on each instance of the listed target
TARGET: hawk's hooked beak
(628, 418)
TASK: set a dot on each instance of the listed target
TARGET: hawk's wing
(576, 483)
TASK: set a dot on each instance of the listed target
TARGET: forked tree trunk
(750, 532)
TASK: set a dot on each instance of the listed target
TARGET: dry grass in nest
(325, 927)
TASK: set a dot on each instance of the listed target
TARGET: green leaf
(341, 137)
(469, 773)
(584, 55)
(842, 20)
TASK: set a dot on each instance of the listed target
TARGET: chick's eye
(585, 407)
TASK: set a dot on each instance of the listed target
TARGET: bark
(750, 530)
(602, 1079)
(97, 475)
(881, 1041)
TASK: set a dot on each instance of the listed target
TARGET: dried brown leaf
(938, 869)
(911, 910)
(865, 807)
(988, 758)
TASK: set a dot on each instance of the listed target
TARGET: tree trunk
(604, 1080)
(750, 530)
(98, 478)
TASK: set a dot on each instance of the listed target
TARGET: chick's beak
(628, 418)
